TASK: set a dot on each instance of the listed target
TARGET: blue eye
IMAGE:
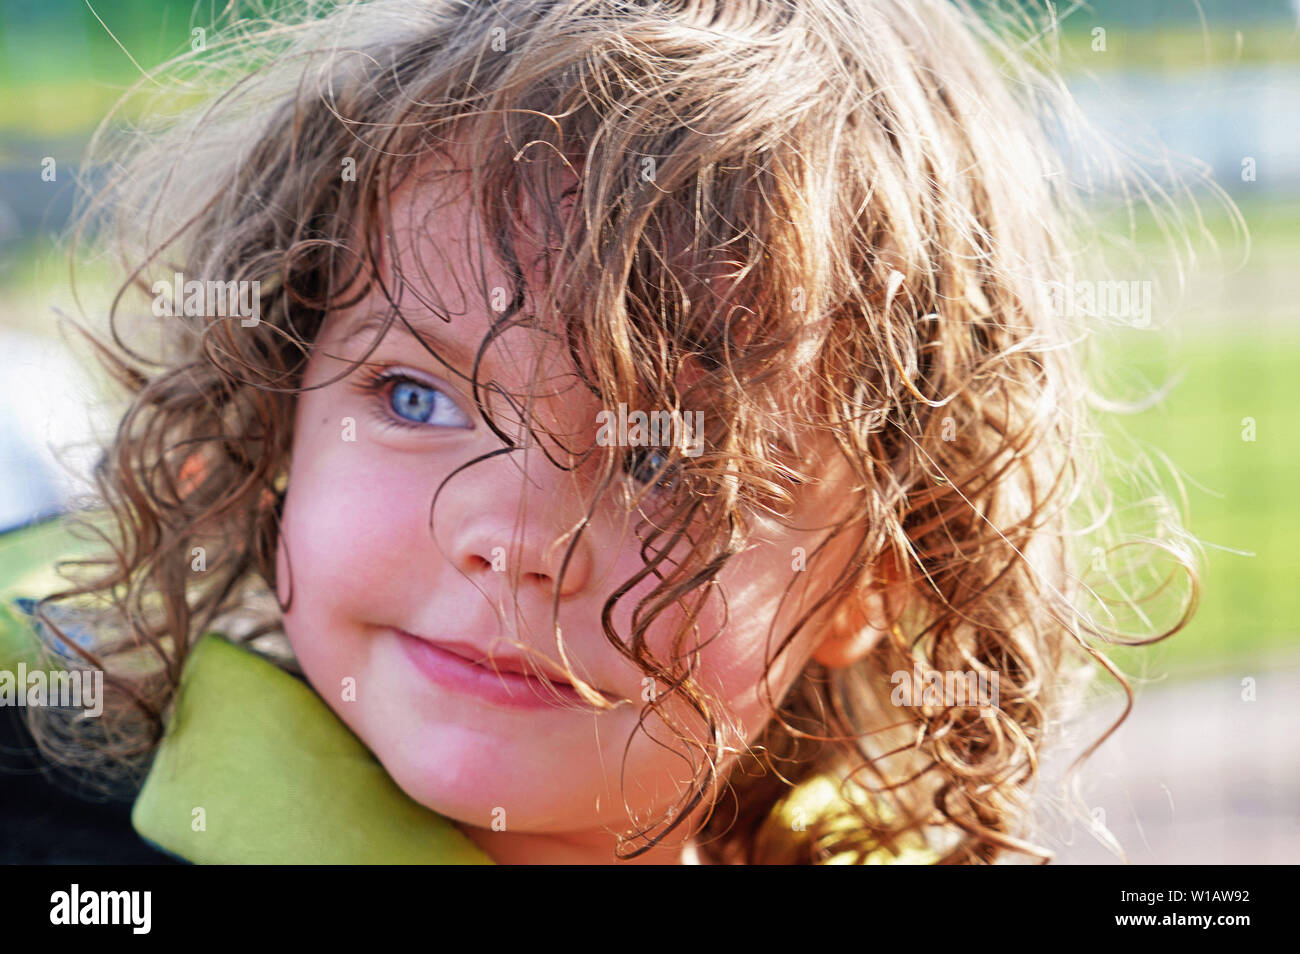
(413, 403)
(650, 466)
(422, 404)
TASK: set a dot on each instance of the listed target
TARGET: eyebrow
(452, 352)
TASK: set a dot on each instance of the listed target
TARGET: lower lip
(509, 690)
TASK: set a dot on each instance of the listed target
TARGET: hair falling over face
(874, 183)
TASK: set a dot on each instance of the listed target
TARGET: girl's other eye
(411, 402)
(648, 465)
(784, 455)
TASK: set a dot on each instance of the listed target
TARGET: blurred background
(1207, 768)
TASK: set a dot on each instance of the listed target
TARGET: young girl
(647, 425)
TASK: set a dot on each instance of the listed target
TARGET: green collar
(278, 776)
(255, 768)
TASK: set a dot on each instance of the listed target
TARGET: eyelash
(784, 450)
(376, 381)
(631, 463)
(631, 460)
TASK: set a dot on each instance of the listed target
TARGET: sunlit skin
(365, 560)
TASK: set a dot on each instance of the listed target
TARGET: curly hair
(878, 182)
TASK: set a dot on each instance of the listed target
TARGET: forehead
(435, 270)
(438, 266)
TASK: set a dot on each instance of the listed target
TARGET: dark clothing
(44, 819)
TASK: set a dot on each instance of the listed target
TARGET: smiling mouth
(524, 685)
(508, 664)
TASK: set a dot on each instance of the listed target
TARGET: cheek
(739, 668)
(352, 528)
(735, 666)
(758, 660)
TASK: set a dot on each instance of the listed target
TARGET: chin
(460, 777)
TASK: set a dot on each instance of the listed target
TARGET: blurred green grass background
(1231, 339)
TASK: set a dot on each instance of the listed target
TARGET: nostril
(477, 563)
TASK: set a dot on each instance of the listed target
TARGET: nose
(517, 527)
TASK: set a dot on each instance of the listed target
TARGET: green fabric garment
(256, 768)
(279, 777)
(17, 644)
(27, 559)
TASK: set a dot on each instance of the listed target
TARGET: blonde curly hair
(879, 182)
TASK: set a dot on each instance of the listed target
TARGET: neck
(568, 848)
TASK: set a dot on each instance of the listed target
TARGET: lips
(508, 681)
(498, 663)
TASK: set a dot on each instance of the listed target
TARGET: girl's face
(376, 582)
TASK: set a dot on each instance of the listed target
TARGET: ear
(860, 622)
